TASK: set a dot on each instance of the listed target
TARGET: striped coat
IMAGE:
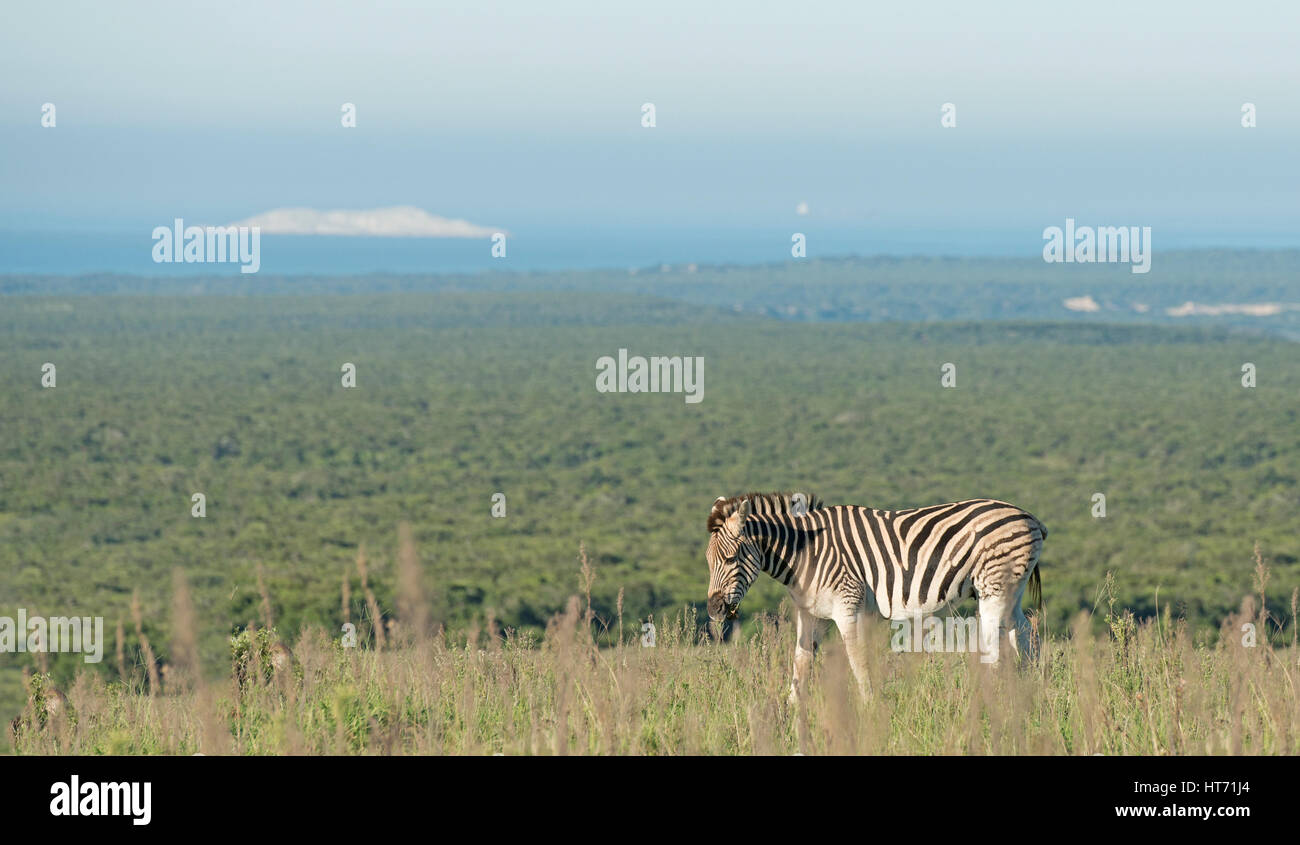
(845, 563)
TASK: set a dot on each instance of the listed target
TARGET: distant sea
(545, 249)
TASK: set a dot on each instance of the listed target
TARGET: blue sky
(519, 114)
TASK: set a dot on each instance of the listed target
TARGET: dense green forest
(488, 386)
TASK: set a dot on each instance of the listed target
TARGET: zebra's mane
(779, 502)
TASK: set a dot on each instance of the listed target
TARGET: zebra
(843, 561)
(786, 502)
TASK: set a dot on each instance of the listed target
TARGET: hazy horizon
(530, 119)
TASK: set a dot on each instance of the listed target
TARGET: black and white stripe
(843, 561)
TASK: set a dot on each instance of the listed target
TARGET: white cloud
(399, 221)
(1082, 303)
(1262, 309)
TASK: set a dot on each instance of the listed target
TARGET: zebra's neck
(784, 542)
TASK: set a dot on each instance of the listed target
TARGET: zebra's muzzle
(720, 608)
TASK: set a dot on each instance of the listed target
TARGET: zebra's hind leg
(995, 617)
(1002, 617)
(1025, 643)
(1018, 625)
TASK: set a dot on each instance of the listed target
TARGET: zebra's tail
(1038, 628)
(1036, 585)
(1035, 578)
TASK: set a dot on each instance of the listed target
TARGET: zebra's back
(918, 559)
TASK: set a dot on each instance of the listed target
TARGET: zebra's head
(734, 559)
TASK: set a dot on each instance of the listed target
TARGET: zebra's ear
(737, 519)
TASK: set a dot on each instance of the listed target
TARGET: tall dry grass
(1144, 687)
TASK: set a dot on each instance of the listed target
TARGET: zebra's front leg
(853, 630)
(804, 648)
